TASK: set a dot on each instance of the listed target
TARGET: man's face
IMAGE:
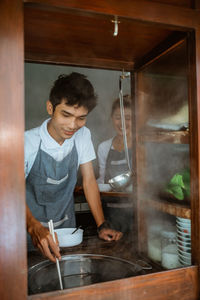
(65, 120)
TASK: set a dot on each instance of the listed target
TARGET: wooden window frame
(13, 271)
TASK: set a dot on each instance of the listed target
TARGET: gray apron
(116, 164)
(120, 217)
(49, 189)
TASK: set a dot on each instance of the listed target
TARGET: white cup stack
(183, 227)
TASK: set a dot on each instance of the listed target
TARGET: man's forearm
(93, 198)
(30, 220)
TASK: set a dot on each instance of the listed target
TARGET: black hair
(75, 89)
(116, 103)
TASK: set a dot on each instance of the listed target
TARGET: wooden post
(12, 196)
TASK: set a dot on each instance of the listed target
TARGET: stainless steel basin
(79, 270)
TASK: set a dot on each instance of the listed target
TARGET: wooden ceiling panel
(183, 3)
(69, 37)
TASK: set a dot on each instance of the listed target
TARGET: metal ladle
(121, 181)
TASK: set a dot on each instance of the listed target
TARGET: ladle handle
(123, 123)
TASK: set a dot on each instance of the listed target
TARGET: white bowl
(183, 220)
(182, 235)
(184, 244)
(67, 239)
(184, 225)
(183, 239)
(184, 263)
(184, 249)
(185, 259)
(184, 230)
(184, 254)
(103, 187)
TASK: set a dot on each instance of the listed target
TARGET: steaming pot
(79, 270)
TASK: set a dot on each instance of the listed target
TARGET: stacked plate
(183, 227)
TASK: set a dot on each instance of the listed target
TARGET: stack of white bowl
(183, 227)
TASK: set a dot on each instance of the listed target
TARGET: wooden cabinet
(160, 59)
(81, 33)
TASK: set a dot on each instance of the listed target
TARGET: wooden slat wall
(13, 269)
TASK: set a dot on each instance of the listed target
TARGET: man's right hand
(41, 238)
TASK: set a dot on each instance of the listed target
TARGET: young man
(53, 153)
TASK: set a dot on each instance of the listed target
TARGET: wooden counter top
(144, 286)
(123, 249)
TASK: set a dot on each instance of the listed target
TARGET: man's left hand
(108, 234)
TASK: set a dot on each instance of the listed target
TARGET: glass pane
(164, 166)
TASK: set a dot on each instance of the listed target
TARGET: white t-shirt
(82, 140)
(102, 153)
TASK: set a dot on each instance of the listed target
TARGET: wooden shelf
(175, 209)
(79, 191)
(116, 194)
(163, 136)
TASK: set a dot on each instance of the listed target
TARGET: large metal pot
(79, 270)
